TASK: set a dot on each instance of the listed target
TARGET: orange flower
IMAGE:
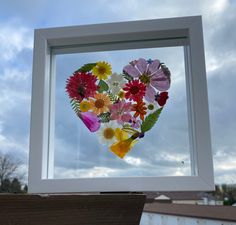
(100, 104)
(140, 109)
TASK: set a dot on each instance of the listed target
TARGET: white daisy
(116, 83)
(106, 133)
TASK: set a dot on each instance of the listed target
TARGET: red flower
(81, 85)
(135, 90)
(162, 98)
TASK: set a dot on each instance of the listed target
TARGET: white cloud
(14, 88)
(225, 160)
(225, 165)
(10, 144)
(219, 6)
(14, 38)
(14, 146)
(133, 161)
(14, 74)
(11, 99)
(61, 172)
(175, 157)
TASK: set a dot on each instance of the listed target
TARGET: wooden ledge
(99, 209)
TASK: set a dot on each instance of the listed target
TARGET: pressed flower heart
(119, 106)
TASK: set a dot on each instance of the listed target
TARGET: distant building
(180, 197)
(163, 198)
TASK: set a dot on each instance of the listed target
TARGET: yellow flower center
(85, 106)
(121, 94)
(108, 133)
(145, 78)
(99, 103)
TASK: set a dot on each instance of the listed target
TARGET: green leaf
(103, 86)
(126, 125)
(112, 97)
(75, 105)
(127, 76)
(150, 120)
(86, 67)
(104, 117)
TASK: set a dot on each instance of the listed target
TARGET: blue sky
(18, 19)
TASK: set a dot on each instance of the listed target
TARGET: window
(64, 157)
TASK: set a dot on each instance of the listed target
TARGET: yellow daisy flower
(102, 70)
(84, 106)
(100, 104)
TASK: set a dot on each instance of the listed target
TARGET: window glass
(164, 151)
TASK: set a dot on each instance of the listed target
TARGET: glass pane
(163, 151)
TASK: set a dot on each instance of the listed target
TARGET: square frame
(183, 31)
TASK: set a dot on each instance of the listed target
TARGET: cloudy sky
(18, 19)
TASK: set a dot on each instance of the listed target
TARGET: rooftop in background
(224, 213)
(181, 197)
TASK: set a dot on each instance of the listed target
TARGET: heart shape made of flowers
(120, 108)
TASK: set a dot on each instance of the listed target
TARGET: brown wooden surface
(227, 213)
(114, 209)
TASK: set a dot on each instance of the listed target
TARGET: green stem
(129, 129)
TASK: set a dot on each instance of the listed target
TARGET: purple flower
(135, 123)
(90, 120)
(151, 74)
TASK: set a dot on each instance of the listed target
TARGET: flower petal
(160, 81)
(132, 71)
(150, 94)
(121, 148)
(120, 134)
(153, 67)
(162, 98)
(127, 107)
(126, 117)
(90, 120)
(136, 123)
(141, 65)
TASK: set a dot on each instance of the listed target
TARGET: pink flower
(120, 111)
(151, 74)
(90, 120)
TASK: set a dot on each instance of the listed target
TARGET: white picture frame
(184, 31)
